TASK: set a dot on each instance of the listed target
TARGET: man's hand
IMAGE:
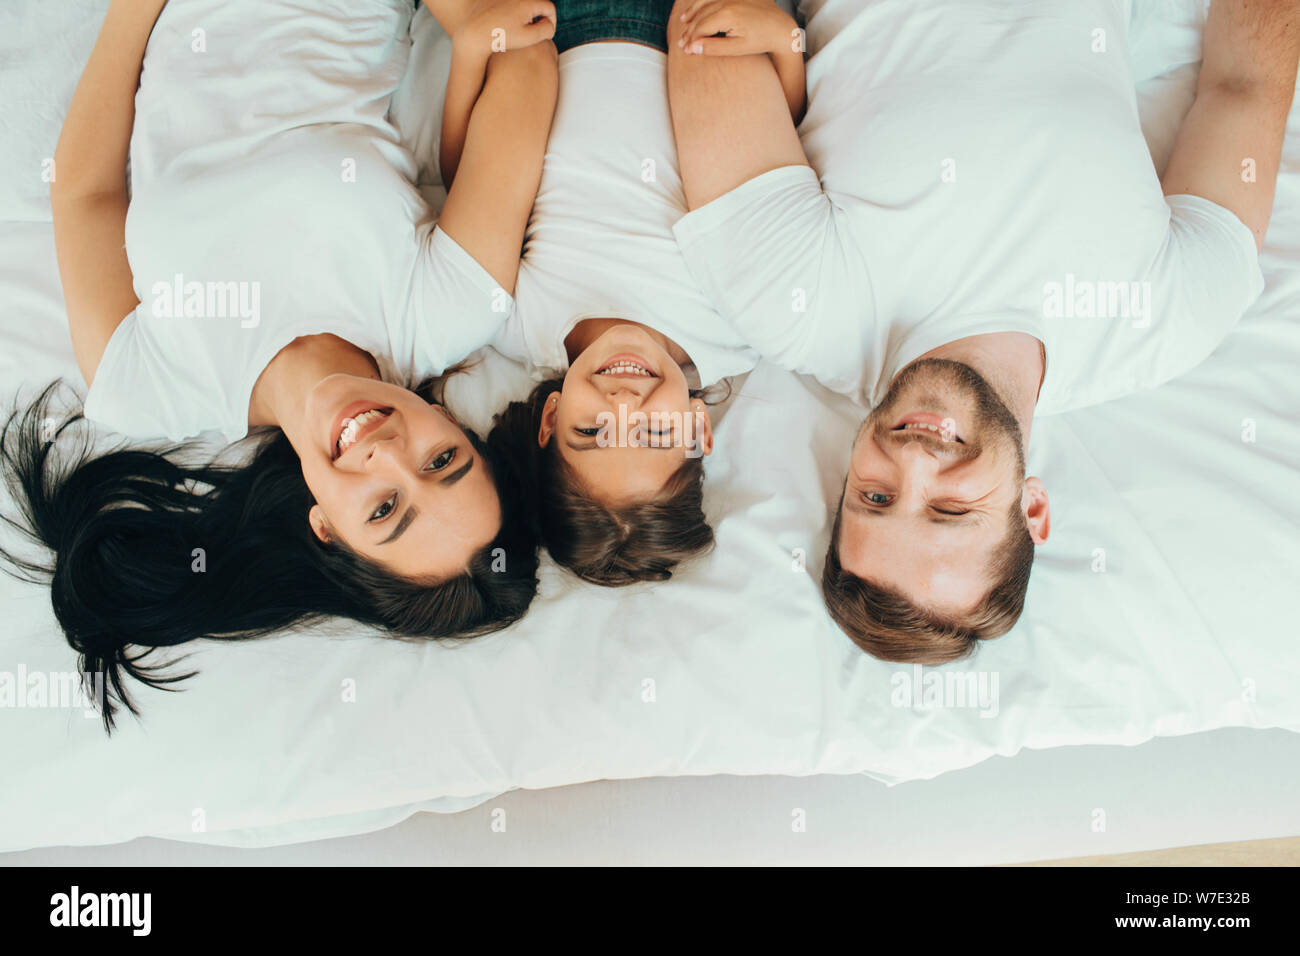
(738, 28)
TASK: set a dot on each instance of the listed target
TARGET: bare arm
(88, 196)
(488, 206)
(732, 114)
(745, 28)
(479, 29)
(1230, 145)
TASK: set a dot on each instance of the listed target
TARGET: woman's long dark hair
(150, 552)
(610, 546)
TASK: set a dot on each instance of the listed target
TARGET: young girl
(276, 267)
(607, 311)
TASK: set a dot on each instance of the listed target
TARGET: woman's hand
(738, 28)
(496, 26)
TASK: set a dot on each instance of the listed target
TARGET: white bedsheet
(733, 667)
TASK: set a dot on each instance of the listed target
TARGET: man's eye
(442, 461)
(878, 498)
(384, 510)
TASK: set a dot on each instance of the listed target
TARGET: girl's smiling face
(624, 419)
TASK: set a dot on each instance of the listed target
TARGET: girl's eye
(878, 498)
(442, 461)
(384, 510)
(589, 432)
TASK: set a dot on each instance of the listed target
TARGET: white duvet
(1162, 605)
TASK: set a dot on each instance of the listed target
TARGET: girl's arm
(88, 193)
(496, 121)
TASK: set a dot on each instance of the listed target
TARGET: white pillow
(43, 48)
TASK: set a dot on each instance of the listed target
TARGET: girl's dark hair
(611, 546)
(126, 575)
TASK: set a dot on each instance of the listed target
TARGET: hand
(737, 28)
(495, 26)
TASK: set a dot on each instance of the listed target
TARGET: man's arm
(742, 28)
(1230, 145)
(731, 113)
(88, 196)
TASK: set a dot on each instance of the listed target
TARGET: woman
(608, 313)
(275, 267)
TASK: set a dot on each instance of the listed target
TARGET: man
(987, 240)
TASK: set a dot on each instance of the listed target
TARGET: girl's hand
(495, 26)
(737, 28)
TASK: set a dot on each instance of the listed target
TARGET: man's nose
(917, 471)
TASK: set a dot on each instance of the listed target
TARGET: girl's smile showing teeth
(626, 365)
(354, 427)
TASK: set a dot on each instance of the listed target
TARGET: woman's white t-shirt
(271, 199)
(600, 241)
(977, 166)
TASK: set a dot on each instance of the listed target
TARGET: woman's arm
(496, 158)
(478, 29)
(88, 194)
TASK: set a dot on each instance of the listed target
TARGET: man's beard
(993, 424)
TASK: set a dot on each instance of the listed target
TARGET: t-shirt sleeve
(456, 305)
(145, 390)
(1201, 280)
(775, 258)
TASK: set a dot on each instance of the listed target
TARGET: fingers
(534, 9)
(694, 14)
(711, 18)
(719, 46)
(539, 32)
(535, 23)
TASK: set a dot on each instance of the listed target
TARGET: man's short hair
(887, 624)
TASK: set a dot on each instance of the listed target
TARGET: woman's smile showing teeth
(354, 425)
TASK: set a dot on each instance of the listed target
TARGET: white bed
(733, 667)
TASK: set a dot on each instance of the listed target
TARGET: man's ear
(319, 526)
(1038, 513)
(550, 413)
(703, 428)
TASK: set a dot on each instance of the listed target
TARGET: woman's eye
(878, 498)
(442, 461)
(384, 510)
(589, 432)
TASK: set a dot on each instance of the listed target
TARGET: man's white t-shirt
(982, 169)
(600, 241)
(271, 199)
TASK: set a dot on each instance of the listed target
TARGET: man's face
(935, 471)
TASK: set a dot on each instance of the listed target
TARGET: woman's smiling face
(395, 479)
(624, 420)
